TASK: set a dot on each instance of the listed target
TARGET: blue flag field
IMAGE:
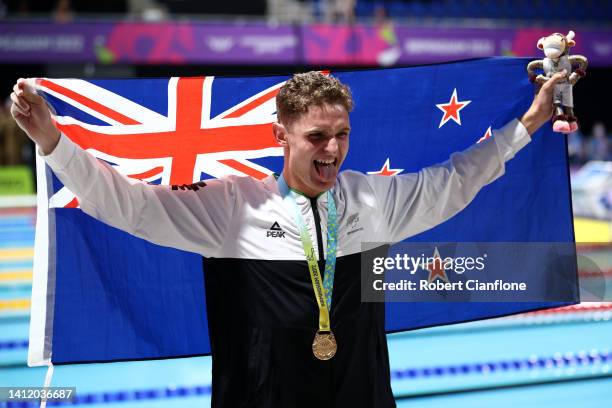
(100, 294)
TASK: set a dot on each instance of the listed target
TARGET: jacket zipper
(317, 217)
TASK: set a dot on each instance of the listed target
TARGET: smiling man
(282, 255)
(313, 127)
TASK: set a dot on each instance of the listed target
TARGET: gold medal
(324, 345)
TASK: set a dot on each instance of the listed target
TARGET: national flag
(100, 294)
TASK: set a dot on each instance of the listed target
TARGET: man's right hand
(32, 115)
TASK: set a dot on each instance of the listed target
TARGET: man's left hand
(541, 109)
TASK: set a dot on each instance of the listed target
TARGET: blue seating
(539, 10)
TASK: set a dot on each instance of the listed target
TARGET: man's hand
(32, 115)
(541, 109)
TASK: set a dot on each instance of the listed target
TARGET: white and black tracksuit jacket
(262, 328)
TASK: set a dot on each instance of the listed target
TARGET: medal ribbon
(323, 289)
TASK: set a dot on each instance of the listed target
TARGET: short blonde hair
(310, 89)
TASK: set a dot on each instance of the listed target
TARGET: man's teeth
(325, 162)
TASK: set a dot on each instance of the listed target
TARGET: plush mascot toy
(556, 48)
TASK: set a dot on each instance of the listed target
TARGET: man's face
(316, 144)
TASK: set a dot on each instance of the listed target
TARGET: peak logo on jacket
(275, 231)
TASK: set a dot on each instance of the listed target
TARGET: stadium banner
(100, 294)
(389, 44)
(194, 42)
(148, 43)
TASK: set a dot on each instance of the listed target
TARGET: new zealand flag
(100, 294)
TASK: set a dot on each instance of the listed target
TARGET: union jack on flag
(181, 146)
(150, 301)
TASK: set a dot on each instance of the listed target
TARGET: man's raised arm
(195, 220)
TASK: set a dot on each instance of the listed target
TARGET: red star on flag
(487, 135)
(436, 268)
(451, 109)
(386, 170)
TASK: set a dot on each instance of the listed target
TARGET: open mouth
(326, 168)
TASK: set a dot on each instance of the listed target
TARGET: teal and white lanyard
(323, 294)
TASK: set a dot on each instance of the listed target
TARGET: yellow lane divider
(10, 254)
(14, 304)
(25, 275)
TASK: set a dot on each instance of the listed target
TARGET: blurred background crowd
(593, 145)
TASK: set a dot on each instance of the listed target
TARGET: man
(286, 322)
